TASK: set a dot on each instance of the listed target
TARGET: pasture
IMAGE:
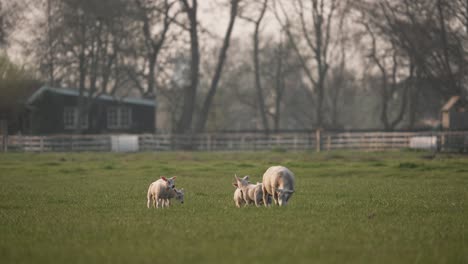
(349, 207)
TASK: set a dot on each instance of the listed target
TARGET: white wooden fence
(58, 143)
(319, 141)
(226, 142)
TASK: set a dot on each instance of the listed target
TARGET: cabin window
(70, 118)
(119, 117)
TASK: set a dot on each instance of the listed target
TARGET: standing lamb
(278, 181)
(238, 197)
(160, 190)
(252, 193)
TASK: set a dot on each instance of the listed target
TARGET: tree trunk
(82, 74)
(153, 46)
(279, 88)
(50, 49)
(219, 68)
(190, 91)
(256, 59)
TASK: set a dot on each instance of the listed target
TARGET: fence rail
(320, 141)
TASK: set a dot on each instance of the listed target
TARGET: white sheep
(252, 193)
(278, 181)
(159, 191)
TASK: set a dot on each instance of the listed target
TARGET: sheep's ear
(173, 177)
(235, 185)
(163, 178)
(246, 177)
(290, 191)
(235, 177)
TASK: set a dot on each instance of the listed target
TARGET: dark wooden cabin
(54, 111)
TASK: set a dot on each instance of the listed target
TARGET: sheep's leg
(247, 201)
(257, 202)
(256, 199)
(265, 197)
(275, 198)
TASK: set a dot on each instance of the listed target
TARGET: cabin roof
(451, 102)
(74, 92)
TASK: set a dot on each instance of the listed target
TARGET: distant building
(454, 114)
(55, 111)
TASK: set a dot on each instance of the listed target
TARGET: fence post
(41, 140)
(4, 143)
(328, 142)
(4, 133)
(318, 139)
(442, 141)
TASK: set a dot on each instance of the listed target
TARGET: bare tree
(190, 91)
(311, 43)
(15, 85)
(281, 72)
(2, 24)
(11, 17)
(219, 69)
(389, 64)
(256, 62)
(429, 36)
(154, 14)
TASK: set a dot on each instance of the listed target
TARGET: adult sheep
(278, 181)
(159, 191)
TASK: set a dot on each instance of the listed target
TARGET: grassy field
(393, 207)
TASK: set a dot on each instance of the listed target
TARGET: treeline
(293, 64)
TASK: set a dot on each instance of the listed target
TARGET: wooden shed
(454, 114)
(55, 111)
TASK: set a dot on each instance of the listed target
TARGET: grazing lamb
(278, 181)
(159, 190)
(252, 193)
(174, 193)
(238, 197)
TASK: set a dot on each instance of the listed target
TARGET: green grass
(394, 207)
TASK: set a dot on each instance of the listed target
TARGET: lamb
(238, 196)
(174, 193)
(252, 193)
(278, 181)
(159, 191)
